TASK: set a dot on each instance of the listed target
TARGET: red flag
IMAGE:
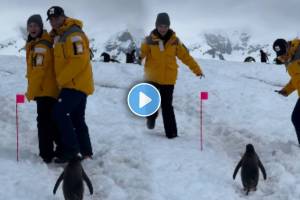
(20, 98)
(204, 95)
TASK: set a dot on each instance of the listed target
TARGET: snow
(12, 46)
(131, 162)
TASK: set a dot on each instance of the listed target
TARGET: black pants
(48, 133)
(166, 93)
(69, 114)
(296, 119)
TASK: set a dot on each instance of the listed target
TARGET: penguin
(250, 164)
(73, 177)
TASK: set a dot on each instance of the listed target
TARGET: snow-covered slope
(218, 45)
(231, 46)
(133, 163)
(12, 46)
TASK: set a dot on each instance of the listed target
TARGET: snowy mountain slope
(133, 163)
(218, 45)
(12, 46)
(231, 46)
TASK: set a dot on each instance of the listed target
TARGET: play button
(143, 99)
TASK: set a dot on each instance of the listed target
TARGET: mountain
(12, 46)
(119, 44)
(234, 46)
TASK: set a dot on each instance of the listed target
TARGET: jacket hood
(66, 25)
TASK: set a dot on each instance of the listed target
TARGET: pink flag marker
(203, 96)
(20, 98)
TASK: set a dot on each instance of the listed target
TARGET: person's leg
(166, 92)
(44, 128)
(296, 119)
(68, 101)
(56, 136)
(81, 129)
(151, 120)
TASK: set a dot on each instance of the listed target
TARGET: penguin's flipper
(237, 168)
(60, 178)
(88, 182)
(262, 168)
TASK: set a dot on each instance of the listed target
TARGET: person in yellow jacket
(42, 86)
(160, 50)
(74, 77)
(289, 54)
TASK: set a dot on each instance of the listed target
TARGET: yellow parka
(72, 64)
(293, 67)
(40, 68)
(160, 65)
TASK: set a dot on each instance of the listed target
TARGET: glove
(283, 58)
(28, 97)
(139, 61)
(281, 92)
(201, 75)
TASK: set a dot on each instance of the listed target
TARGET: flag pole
(20, 98)
(17, 127)
(202, 96)
(201, 127)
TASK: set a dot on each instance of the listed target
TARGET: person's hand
(201, 75)
(27, 96)
(139, 61)
(282, 92)
(283, 58)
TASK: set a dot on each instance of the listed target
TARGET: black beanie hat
(36, 19)
(162, 19)
(280, 47)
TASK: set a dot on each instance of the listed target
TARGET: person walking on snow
(289, 53)
(74, 76)
(263, 56)
(160, 50)
(42, 86)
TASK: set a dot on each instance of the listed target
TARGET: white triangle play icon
(143, 100)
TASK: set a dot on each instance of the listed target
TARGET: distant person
(74, 77)
(130, 57)
(249, 59)
(107, 58)
(263, 56)
(221, 57)
(42, 86)
(160, 49)
(289, 53)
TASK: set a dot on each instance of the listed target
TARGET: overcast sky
(265, 19)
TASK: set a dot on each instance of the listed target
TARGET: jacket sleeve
(293, 48)
(145, 49)
(183, 54)
(289, 88)
(36, 75)
(77, 56)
